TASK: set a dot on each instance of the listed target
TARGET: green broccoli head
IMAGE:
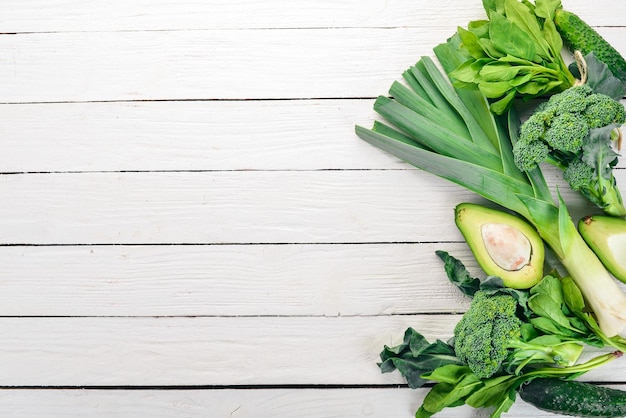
(528, 154)
(602, 110)
(561, 132)
(481, 338)
(534, 128)
(567, 132)
(492, 338)
(579, 175)
(572, 100)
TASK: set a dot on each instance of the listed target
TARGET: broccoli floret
(528, 154)
(533, 129)
(579, 175)
(567, 132)
(603, 110)
(481, 337)
(572, 100)
(488, 338)
(564, 124)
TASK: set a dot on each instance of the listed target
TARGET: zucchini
(569, 397)
(579, 36)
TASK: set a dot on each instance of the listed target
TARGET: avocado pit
(509, 248)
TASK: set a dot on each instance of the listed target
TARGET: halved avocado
(503, 244)
(606, 236)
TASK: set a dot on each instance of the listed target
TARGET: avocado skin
(597, 230)
(469, 218)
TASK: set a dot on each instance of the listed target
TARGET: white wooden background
(188, 224)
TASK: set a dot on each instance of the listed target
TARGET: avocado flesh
(504, 245)
(606, 236)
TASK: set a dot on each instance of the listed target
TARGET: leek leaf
(491, 184)
(434, 135)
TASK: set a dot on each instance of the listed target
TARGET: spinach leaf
(552, 37)
(468, 285)
(494, 285)
(416, 356)
(456, 383)
(547, 301)
(546, 8)
(508, 38)
(458, 274)
(494, 392)
(518, 33)
(471, 43)
(521, 16)
(494, 5)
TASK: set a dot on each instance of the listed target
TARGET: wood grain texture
(255, 403)
(227, 207)
(118, 15)
(232, 280)
(190, 136)
(191, 351)
(208, 65)
(214, 64)
(230, 207)
(213, 135)
(147, 351)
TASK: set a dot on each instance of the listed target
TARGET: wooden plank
(202, 350)
(213, 135)
(188, 135)
(148, 351)
(230, 207)
(57, 16)
(232, 280)
(227, 207)
(253, 403)
(213, 64)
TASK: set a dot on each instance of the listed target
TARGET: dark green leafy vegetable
(458, 274)
(497, 347)
(598, 76)
(416, 356)
(468, 285)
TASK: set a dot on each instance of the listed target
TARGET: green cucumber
(570, 397)
(579, 36)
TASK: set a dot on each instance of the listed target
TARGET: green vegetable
(490, 333)
(574, 131)
(457, 385)
(421, 362)
(480, 158)
(606, 236)
(416, 357)
(553, 306)
(515, 53)
(503, 244)
(574, 398)
(506, 338)
(579, 36)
